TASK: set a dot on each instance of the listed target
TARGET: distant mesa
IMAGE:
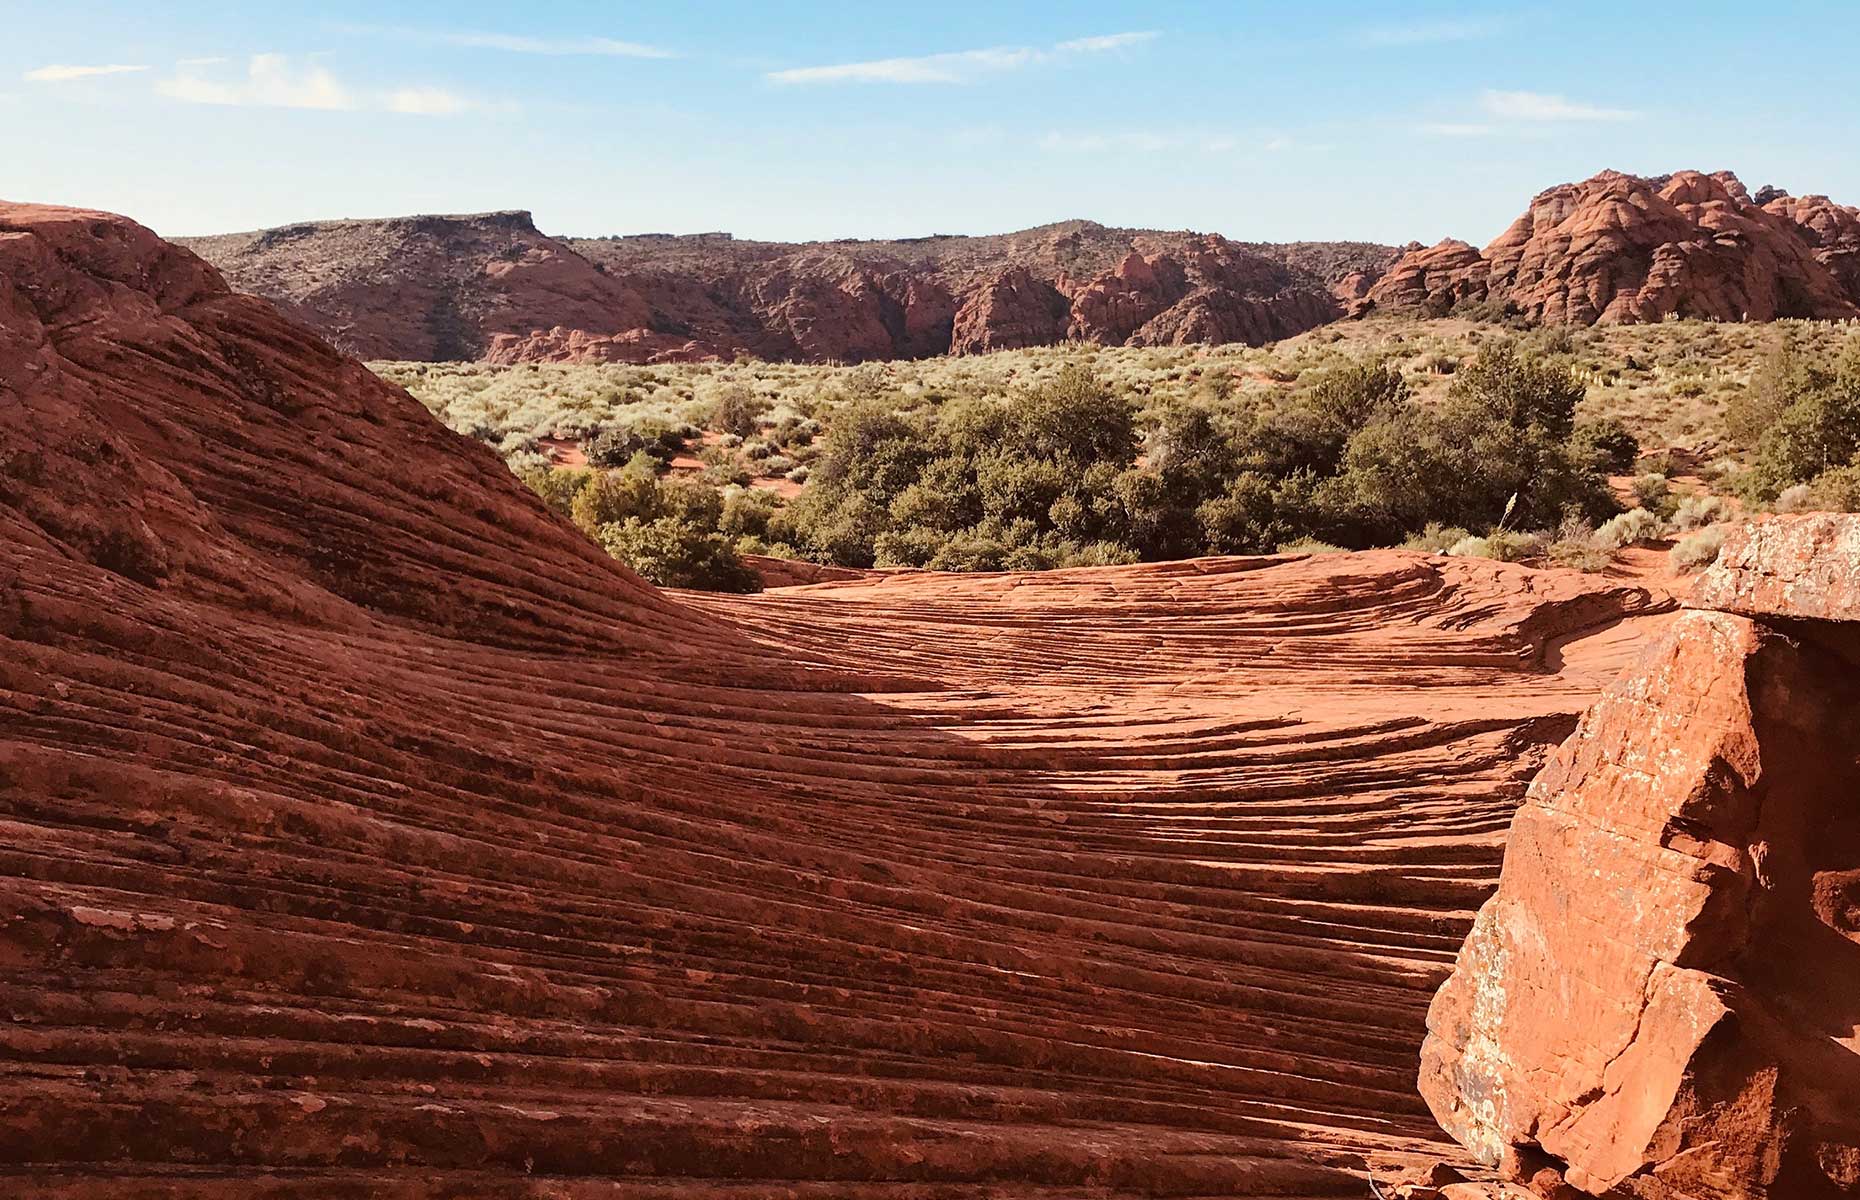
(1614, 249)
(491, 286)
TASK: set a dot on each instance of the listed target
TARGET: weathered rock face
(1213, 291)
(1433, 279)
(433, 288)
(365, 833)
(1663, 997)
(493, 287)
(1011, 311)
(1833, 230)
(1623, 249)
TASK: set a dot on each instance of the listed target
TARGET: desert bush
(1655, 494)
(1436, 538)
(558, 489)
(1696, 512)
(1837, 490)
(1811, 416)
(613, 447)
(1796, 498)
(1630, 528)
(1501, 545)
(737, 411)
(1697, 550)
(747, 511)
(670, 531)
(1579, 554)
(674, 553)
(1610, 447)
(1311, 545)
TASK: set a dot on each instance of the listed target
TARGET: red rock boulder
(1663, 997)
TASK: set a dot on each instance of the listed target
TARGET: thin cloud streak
(1430, 33)
(275, 81)
(961, 66)
(516, 43)
(1457, 129)
(1544, 106)
(66, 72)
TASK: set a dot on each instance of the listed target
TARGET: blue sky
(1265, 121)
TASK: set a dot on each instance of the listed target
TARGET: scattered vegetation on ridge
(1450, 435)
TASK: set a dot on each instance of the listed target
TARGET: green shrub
(1629, 529)
(672, 552)
(1837, 489)
(1436, 538)
(1697, 550)
(1609, 445)
(1696, 512)
(1653, 493)
(558, 489)
(613, 447)
(738, 411)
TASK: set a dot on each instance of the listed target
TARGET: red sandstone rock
(1833, 230)
(1435, 278)
(426, 287)
(1011, 311)
(1802, 566)
(451, 286)
(366, 833)
(1661, 996)
(1622, 249)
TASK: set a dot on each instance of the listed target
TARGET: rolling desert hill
(491, 286)
(370, 833)
(1612, 249)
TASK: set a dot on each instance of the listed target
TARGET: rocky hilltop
(491, 286)
(368, 833)
(1624, 249)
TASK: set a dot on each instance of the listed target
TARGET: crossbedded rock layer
(366, 833)
(1663, 998)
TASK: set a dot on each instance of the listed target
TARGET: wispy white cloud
(1142, 141)
(1137, 142)
(516, 43)
(961, 66)
(1457, 129)
(276, 81)
(270, 81)
(1108, 41)
(1427, 33)
(1543, 106)
(427, 102)
(65, 72)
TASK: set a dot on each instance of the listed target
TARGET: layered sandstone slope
(432, 287)
(1624, 249)
(367, 834)
(493, 287)
(1663, 998)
